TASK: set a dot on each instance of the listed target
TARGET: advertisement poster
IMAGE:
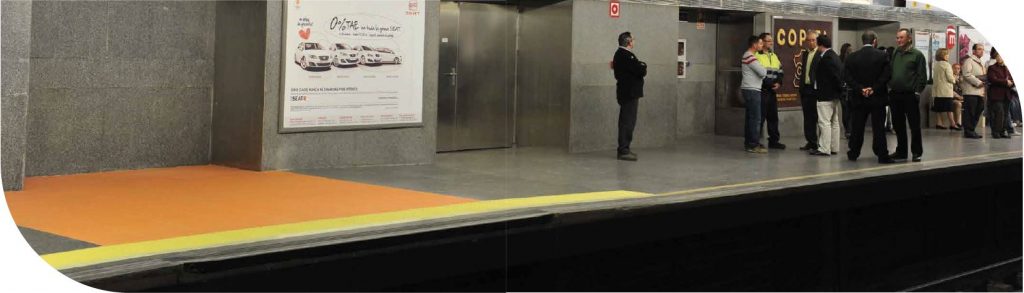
(352, 65)
(789, 37)
(969, 37)
(923, 43)
(681, 59)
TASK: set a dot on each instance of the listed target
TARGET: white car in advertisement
(368, 56)
(344, 55)
(312, 55)
(388, 56)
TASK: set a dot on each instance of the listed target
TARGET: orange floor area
(129, 206)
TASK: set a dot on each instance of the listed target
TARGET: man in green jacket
(909, 76)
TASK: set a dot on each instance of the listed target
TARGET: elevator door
(476, 82)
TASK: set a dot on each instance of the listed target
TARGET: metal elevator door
(476, 82)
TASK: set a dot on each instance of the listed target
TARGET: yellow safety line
(110, 253)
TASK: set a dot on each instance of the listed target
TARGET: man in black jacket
(629, 87)
(867, 73)
(808, 100)
(828, 85)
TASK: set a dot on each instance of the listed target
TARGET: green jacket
(909, 71)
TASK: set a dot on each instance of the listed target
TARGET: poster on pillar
(352, 65)
(789, 35)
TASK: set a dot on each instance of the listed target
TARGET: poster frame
(281, 129)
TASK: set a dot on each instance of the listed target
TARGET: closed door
(476, 86)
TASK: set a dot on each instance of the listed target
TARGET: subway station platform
(130, 225)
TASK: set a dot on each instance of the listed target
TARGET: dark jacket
(827, 73)
(999, 89)
(909, 71)
(806, 90)
(867, 68)
(629, 75)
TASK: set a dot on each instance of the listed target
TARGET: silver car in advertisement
(367, 56)
(344, 55)
(312, 55)
(388, 56)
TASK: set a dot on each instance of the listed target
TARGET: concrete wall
(593, 124)
(347, 148)
(237, 127)
(16, 37)
(544, 66)
(119, 85)
(695, 107)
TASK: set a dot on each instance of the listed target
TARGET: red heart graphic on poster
(304, 34)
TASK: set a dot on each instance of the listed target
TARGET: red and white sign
(613, 9)
(950, 37)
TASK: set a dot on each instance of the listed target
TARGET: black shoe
(956, 128)
(817, 153)
(808, 147)
(971, 135)
(896, 158)
(916, 158)
(940, 127)
(852, 157)
(886, 161)
(775, 145)
(628, 157)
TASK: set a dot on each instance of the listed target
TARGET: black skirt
(941, 105)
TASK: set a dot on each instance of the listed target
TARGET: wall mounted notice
(352, 64)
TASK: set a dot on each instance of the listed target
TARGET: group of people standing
(865, 83)
(845, 90)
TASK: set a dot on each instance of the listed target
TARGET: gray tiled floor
(693, 163)
(45, 243)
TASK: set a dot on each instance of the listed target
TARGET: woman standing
(999, 92)
(942, 89)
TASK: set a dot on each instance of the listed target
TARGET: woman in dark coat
(999, 93)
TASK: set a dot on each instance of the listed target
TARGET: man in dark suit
(629, 87)
(828, 86)
(867, 72)
(808, 99)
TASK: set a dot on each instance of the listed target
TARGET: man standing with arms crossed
(909, 76)
(629, 87)
(769, 103)
(808, 97)
(867, 71)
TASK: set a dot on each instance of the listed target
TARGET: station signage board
(789, 35)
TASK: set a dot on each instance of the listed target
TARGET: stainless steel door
(448, 76)
(477, 78)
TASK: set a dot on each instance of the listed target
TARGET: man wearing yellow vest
(771, 83)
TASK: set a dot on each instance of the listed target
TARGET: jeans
(752, 126)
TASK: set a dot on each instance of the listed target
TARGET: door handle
(453, 74)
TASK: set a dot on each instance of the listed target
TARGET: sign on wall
(613, 9)
(352, 65)
(789, 35)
